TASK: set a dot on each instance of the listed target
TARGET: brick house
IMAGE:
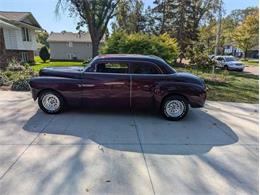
(17, 37)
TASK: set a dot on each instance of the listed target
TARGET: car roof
(128, 56)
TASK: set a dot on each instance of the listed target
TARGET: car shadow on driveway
(121, 130)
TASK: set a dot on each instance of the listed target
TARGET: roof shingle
(69, 37)
(16, 16)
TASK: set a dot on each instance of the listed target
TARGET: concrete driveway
(252, 70)
(213, 151)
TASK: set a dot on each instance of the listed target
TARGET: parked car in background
(123, 81)
(229, 63)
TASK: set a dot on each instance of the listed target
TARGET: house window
(26, 34)
(24, 57)
(70, 44)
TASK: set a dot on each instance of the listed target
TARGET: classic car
(120, 81)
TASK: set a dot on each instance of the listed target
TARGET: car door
(220, 62)
(107, 86)
(144, 79)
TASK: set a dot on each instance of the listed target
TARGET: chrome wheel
(174, 108)
(51, 102)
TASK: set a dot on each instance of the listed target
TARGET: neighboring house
(17, 37)
(253, 52)
(70, 46)
(229, 49)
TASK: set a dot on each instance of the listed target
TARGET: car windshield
(230, 59)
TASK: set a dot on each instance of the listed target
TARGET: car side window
(220, 59)
(145, 68)
(111, 67)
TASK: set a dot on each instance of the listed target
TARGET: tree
(181, 18)
(44, 54)
(163, 45)
(246, 34)
(95, 14)
(42, 37)
(129, 16)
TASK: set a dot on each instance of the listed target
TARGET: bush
(14, 65)
(21, 85)
(163, 45)
(3, 79)
(199, 58)
(18, 80)
(44, 54)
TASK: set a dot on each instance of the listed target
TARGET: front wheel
(174, 108)
(50, 102)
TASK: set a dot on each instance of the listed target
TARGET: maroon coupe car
(122, 81)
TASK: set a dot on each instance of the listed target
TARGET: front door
(107, 86)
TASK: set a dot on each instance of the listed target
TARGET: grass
(230, 86)
(223, 86)
(251, 62)
(40, 64)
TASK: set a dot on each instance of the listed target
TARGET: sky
(44, 11)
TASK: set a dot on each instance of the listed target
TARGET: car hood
(188, 78)
(68, 71)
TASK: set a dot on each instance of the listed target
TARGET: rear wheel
(51, 102)
(174, 108)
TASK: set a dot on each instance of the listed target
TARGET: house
(70, 46)
(253, 52)
(230, 49)
(17, 37)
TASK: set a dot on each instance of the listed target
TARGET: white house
(70, 46)
(17, 36)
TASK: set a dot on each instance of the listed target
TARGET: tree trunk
(245, 54)
(95, 46)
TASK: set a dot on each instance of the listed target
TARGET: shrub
(44, 54)
(18, 79)
(163, 45)
(21, 85)
(3, 79)
(199, 58)
(14, 65)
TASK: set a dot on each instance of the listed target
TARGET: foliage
(14, 65)
(246, 34)
(17, 79)
(95, 14)
(129, 16)
(20, 85)
(3, 79)
(42, 37)
(198, 57)
(207, 31)
(44, 54)
(180, 19)
(138, 43)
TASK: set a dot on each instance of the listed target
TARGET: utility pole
(218, 32)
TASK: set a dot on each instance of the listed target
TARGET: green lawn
(230, 86)
(40, 64)
(251, 62)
